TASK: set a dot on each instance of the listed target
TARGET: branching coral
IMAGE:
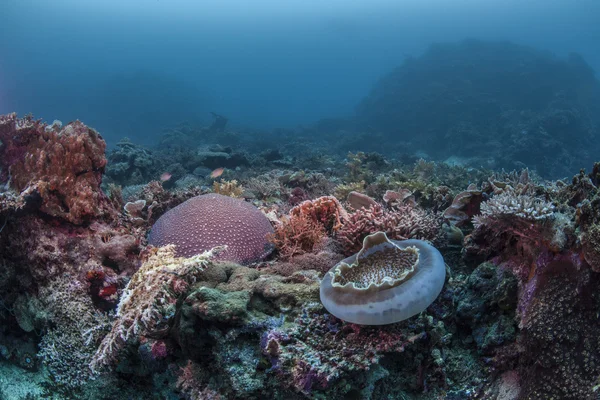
(147, 306)
(342, 190)
(517, 182)
(403, 222)
(305, 229)
(65, 165)
(265, 186)
(298, 235)
(508, 204)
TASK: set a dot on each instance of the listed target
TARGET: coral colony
(204, 271)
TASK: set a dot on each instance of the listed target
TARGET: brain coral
(386, 282)
(211, 220)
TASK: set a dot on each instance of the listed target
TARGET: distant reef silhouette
(501, 104)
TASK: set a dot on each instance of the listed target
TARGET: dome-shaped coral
(386, 282)
(211, 220)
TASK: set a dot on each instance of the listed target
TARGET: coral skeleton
(148, 302)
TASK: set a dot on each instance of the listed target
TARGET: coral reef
(89, 309)
(319, 352)
(464, 207)
(147, 304)
(298, 235)
(509, 205)
(63, 164)
(326, 211)
(228, 188)
(495, 104)
(129, 164)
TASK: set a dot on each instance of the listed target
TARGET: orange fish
(165, 177)
(217, 173)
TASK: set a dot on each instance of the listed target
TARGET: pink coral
(211, 220)
(64, 165)
(159, 349)
(298, 235)
(326, 211)
(403, 222)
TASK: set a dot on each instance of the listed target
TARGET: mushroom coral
(385, 282)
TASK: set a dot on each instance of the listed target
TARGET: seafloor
(90, 310)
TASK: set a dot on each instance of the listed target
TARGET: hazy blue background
(129, 67)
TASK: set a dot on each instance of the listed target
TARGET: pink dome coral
(211, 220)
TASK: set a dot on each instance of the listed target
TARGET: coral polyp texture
(212, 220)
(378, 264)
(386, 282)
(63, 164)
(375, 294)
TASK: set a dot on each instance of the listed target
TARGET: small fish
(217, 173)
(165, 177)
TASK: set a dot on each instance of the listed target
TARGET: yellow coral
(228, 188)
(342, 190)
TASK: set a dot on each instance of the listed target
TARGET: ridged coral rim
(388, 281)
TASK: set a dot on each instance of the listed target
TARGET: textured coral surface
(389, 264)
(211, 220)
(64, 164)
(89, 310)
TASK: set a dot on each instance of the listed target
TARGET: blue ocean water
(131, 66)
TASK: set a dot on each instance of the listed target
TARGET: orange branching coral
(403, 222)
(326, 211)
(64, 164)
(298, 234)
